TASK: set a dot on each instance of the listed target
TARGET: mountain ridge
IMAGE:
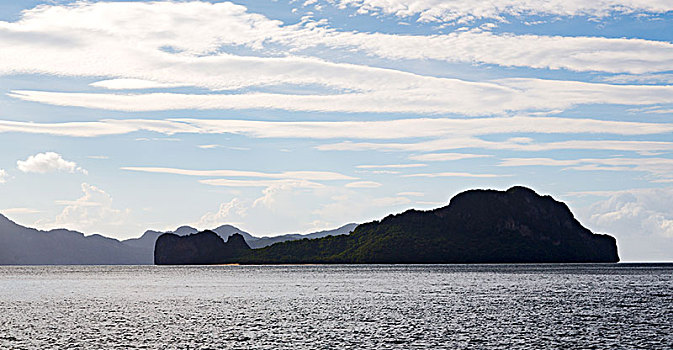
(21, 245)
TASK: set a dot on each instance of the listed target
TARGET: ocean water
(611, 306)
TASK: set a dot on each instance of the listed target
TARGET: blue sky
(296, 116)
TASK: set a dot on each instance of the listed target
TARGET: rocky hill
(478, 226)
(201, 248)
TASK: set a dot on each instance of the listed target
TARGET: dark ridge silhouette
(201, 248)
(478, 226)
(21, 245)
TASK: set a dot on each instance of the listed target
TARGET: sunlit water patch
(375, 307)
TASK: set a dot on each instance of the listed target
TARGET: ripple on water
(363, 307)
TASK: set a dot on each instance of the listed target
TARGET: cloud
(93, 211)
(641, 219)
(389, 166)
(3, 176)
(97, 128)
(395, 92)
(453, 174)
(262, 183)
(471, 142)
(658, 168)
(618, 55)
(385, 129)
(389, 201)
(665, 78)
(228, 213)
(48, 162)
(438, 157)
(363, 184)
(189, 44)
(465, 11)
(130, 84)
(295, 175)
(9, 211)
(411, 194)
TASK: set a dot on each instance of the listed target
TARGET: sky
(296, 116)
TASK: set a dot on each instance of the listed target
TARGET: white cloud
(97, 128)
(3, 176)
(535, 51)
(185, 43)
(363, 184)
(417, 94)
(463, 11)
(658, 168)
(453, 174)
(391, 166)
(641, 219)
(295, 175)
(92, 212)
(386, 129)
(389, 201)
(46, 163)
(665, 78)
(130, 84)
(438, 157)
(208, 146)
(471, 142)
(228, 213)
(411, 194)
(262, 183)
(9, 211)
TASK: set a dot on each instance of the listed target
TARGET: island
(478, 226)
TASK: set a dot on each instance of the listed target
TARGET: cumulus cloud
(641, 219)
(231, 212)
(3, 176)
(93, 211)
(48, 162)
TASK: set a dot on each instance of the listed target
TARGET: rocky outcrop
(201, 248)
(478, 226)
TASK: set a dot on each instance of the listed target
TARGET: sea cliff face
(478, 226)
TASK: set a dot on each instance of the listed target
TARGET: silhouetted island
(478, 226)
(198, 249)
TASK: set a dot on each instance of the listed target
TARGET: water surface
(364, 306)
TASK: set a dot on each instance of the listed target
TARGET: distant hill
(27, 246)
(267, 241)
(478, 226)
(21, 245)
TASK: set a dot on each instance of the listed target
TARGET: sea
(549, 306)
